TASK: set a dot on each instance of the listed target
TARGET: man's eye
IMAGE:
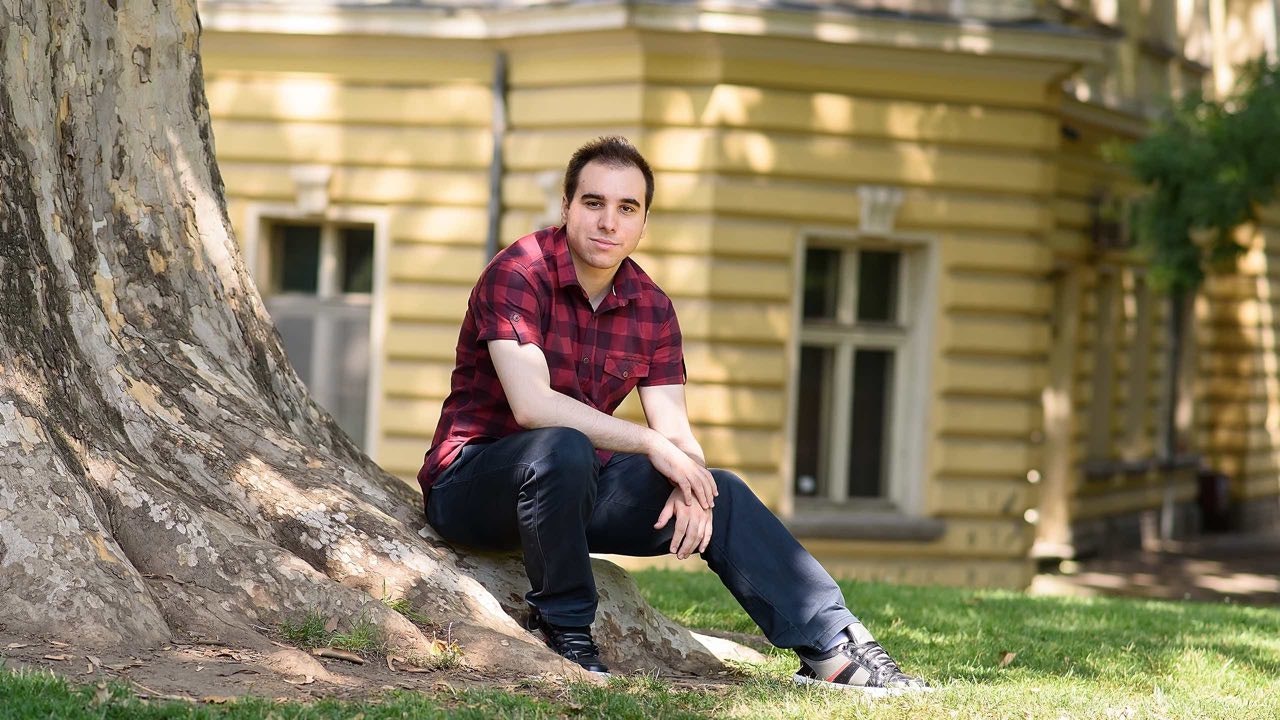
(593, 203)
(628, 209)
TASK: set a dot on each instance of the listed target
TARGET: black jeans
(545, 492)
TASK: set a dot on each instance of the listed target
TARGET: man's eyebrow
(601, 198)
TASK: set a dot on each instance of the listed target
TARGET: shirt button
(624, 373)
(515, 317)
(586, 360)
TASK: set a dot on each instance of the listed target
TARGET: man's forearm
(605, 431)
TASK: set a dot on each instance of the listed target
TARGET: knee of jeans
(729, 485)
(569, 453)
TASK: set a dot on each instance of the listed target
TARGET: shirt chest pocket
(621, 373)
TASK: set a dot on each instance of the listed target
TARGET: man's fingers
(700, 491)
(682, 527)
(686, 491)
(706, 538)
(712, 491)
(691, 539)
(664, 517)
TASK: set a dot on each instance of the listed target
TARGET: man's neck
(596, 283)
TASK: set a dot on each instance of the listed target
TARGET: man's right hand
(688, 475)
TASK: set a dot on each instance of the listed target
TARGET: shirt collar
(626, 282)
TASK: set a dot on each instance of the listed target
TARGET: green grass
(1073, 658)
(361, 635)
(405, 608)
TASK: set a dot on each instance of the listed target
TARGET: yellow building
(911, 320)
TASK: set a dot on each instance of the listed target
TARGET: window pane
(296, 258)
(868, 432)
(878, 286)
(297, 334)
(350, 398)
(357, 260)
(821, 283)
(811, 419)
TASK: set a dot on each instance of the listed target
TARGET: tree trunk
(163, 472)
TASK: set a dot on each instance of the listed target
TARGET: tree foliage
(1208, 166)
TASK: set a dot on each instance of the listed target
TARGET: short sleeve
(505, 307)
(666, 367)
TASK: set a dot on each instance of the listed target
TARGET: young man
(559, 328)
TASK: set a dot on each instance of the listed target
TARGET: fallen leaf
(331, 625)
(96, 662)
(59, 658)
(1007, 658)
(390, 666)
(217, 699)
(304, 681)
(58, 643)
(15, 646)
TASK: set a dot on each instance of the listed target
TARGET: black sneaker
(865, 668)
(572, 643)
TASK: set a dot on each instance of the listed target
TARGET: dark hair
(613, 150)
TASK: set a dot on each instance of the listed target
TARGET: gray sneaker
(864, 668)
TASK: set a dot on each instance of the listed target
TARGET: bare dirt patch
(203, 670)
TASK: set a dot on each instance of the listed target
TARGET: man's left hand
(692, 528)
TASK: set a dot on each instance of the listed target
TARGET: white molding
(311, 188)
(827, 25)
(257, 214)
(879, 211)
(551, 183)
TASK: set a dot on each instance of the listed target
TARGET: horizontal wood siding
(1238, 384)
(1119, 358)
(755, 143)
(404, 126)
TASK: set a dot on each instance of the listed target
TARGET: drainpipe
(499, 125)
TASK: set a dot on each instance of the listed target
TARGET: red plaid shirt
(530, 293)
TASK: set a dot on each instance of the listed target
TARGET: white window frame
(261, 216)
(907, 442)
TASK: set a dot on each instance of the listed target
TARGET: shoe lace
(876, 660)
(574, 645)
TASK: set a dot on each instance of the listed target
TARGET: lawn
(991, 654)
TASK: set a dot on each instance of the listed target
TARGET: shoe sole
(874, 692)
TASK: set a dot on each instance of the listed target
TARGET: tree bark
(163, 472)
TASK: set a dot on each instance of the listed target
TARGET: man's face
(605, 218)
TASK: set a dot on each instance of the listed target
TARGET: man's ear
(564, 210)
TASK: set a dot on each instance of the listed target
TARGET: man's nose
(608, 218)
